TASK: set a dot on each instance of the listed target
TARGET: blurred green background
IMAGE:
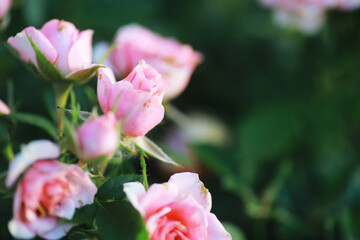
(291, 102)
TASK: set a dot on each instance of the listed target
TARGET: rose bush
(138, 98)
(177, 209)
(50, 190)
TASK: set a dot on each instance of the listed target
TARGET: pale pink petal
(158, 196)
(134, 191)
(19, 230)
(23, 46)
(127, 98)
(82, 188)
(106, 79)
(66, 209)
(190, 184)
(32, 152)
(42, 225)
(143, 118)
(4, 108)
(58, 232)
(80, 54)
(61, 34)
(216, 230)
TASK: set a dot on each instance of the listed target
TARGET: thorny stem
(143, 166)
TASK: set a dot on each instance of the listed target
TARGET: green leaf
(119, 220)
(83, 75)
(35, 120)
(113, 188)
(153, 150)
(48, 69)
(85, 214)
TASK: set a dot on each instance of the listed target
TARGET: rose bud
(98, 138)
(4, 109)
(138, 98)
(178, 209)
(174, 61)
(50, 190)
(58, 51)
(4, 8)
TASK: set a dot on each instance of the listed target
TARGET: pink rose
(98, 137)
(62, 44)
(138, 98)
(178, 209)
(3, 108)
(174, 61)
(50, 190)
(4, 7)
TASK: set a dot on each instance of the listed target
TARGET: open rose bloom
(306, 15)
(62, 44)
(138, 98)
(178, 209)
(174, 61)
(50, 190)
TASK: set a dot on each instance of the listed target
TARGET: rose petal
(32, 152)
(23, 46)
(134, 191)
(66, 210)
(158, 196)
(216, 230)
(58, 232)
(106, 79)
(143, 118)
(80, 54)
(20, 230)
(190, 184)
(61, 34)
(82, 188)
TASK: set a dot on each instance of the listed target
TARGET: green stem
(143, 166)
(62, 91)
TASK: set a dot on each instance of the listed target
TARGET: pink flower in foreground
(62, 44)
(138, 98)
(178, 209)
(174, 61)
(4, 7)
(98, 137)
(50, 190)
(3, 108)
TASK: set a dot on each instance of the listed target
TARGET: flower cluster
(49, 189)
(307, 16)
